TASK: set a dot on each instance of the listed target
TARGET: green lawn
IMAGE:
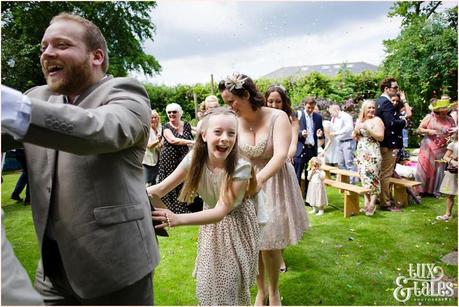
(339, 261)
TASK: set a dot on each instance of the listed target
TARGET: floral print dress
(369, 158)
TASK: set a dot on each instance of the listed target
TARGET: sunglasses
(171, 112)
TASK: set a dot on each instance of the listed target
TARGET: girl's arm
(449, 158)
(214, 215)
(294, 141)
(281, 142)
(168, 184)
(310, 174)
(174, 140)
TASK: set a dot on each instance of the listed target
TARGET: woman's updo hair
(242, 85)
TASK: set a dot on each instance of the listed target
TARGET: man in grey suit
(85, 135)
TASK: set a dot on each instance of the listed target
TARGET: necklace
(175, 127)
(251, 127)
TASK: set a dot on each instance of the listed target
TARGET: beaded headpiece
(235, 81)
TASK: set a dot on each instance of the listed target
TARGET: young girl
(226, 262)
(317, 196)
(449, 183)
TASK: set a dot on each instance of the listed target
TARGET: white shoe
(321, 212)
(313, 210)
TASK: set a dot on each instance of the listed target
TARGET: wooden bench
(344, 174)
(351, 195)
(399, 186)
(327, 169)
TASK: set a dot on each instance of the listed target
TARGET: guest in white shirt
(342, 126)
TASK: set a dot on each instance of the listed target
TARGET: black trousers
(300, 164)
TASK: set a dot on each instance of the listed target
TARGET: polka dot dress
(170, 158)
(227, 258)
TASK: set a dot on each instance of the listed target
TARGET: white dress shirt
(343, 126)
(16, 109)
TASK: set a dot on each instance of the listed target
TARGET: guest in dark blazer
(310, 130)
(393, 139)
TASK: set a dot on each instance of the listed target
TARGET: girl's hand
(166, 217)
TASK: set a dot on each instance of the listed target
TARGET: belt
(308, 146)
(343, 141)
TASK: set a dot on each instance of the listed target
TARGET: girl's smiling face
(220, 136)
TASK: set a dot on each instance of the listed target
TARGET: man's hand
(304, 133)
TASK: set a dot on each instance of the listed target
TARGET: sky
(195, 38)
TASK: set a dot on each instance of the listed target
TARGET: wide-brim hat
(440, 105)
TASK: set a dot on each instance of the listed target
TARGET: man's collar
(385, 95)
(67, 100)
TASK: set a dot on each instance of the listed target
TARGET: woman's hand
(166, 217)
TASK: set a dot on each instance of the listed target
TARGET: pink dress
(433, 147)
(288, 219)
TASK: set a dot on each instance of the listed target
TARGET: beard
(75, 78)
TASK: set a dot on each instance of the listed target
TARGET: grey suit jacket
(85, 170)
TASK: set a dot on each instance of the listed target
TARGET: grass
(339, 261)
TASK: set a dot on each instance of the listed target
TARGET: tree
(423, 58)
(124, 24)
(411, 10)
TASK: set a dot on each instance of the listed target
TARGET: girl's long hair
(200, 157)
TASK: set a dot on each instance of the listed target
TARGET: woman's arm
(376, 128)
(294, 141)
(423, 126)
(169, 136)
(281, 142)
(214, 215)
(356, 132)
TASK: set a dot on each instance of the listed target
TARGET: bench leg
(344, 179)
(400, 195)
(351, 203)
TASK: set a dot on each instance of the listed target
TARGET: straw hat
(440, 105)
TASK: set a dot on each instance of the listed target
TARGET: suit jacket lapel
(303, 120)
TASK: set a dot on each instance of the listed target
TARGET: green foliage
(125, 25)
(337, 89)
(423, 58)
(413, 10)
(339, 261)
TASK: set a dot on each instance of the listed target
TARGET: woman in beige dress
(264, 138)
